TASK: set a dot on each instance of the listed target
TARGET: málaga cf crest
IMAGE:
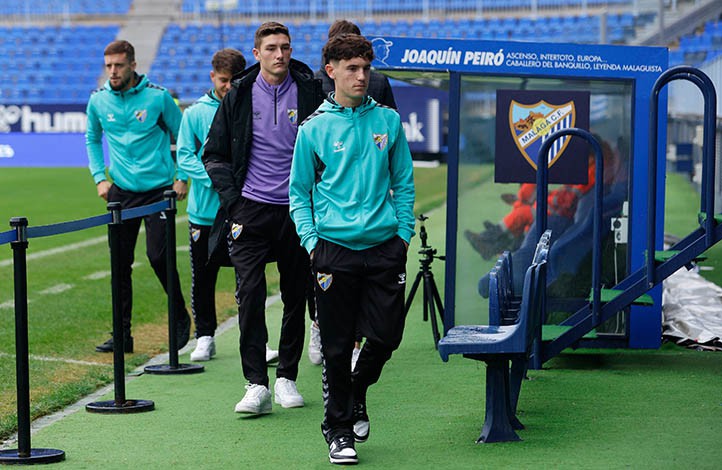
(380, 140)
(532, 124)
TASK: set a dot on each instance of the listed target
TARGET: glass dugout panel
(483, 204)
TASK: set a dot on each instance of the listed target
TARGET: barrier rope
(8, 237)
(82, 224)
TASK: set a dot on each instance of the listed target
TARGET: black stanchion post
(120, 404)
(171, 267)
(174, 367)
(24, 454)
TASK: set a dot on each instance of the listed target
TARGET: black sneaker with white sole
(341, 451)
(361, 424)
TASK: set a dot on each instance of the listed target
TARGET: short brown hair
(228, 60)
(121, 46)
(342, 27)
(347, 46)
(268, 28)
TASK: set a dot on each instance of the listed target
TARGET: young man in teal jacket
(351, 198)
(138, 119)
(203, 202)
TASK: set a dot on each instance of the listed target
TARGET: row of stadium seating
(387, 6)
(45, 65)
(73, 7)
(38, 61)
(509, 26)
(183, 58)
(697, 48)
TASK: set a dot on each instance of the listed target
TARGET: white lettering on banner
(56, 122)
(560, 57)
(484, 58)
(572, 65)
(432, 57)
(412, 129)
(6, 151)
(613, 67)
(551, 120)
(9, 115)
(520, 59)
(642, 68)
(524, 63)
(41, 122)
(589, 58)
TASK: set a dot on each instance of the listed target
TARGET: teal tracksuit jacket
(138, 124)
(203, 201)
(352, 180)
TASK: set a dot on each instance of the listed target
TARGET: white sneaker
(314, 345)
(271, 355)
(286, 393)
(354, 357)
(205, 349)
(257, 400)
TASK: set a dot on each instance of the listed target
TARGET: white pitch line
(58, 250)
(56, 289)
(96, 276)
(56, 359)
(59, 288)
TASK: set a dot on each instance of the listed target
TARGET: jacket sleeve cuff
(99, 177)
(310, 243)
(406, 235)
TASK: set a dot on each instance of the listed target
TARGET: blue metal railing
(542, 180)
(706, 86)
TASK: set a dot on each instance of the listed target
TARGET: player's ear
(330, 71)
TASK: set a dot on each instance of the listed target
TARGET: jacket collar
(299, 71)
(141, 83)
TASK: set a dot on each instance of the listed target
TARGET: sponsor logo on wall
(42, 119)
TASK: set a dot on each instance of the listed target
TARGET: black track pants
(155, 247)
(259, 233)
(204, 274)
(361, 290)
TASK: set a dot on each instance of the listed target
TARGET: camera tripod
(432, 299)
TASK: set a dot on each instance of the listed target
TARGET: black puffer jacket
(229, 139)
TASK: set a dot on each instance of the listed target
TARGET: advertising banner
(421, 111)
(42, 135)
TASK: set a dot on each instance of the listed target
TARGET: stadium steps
(688, 16)
(147, 21)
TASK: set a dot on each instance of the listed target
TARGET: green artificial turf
(586, 409)
(682, 203)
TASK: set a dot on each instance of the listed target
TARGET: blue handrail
(706, 86)
(542, 179)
